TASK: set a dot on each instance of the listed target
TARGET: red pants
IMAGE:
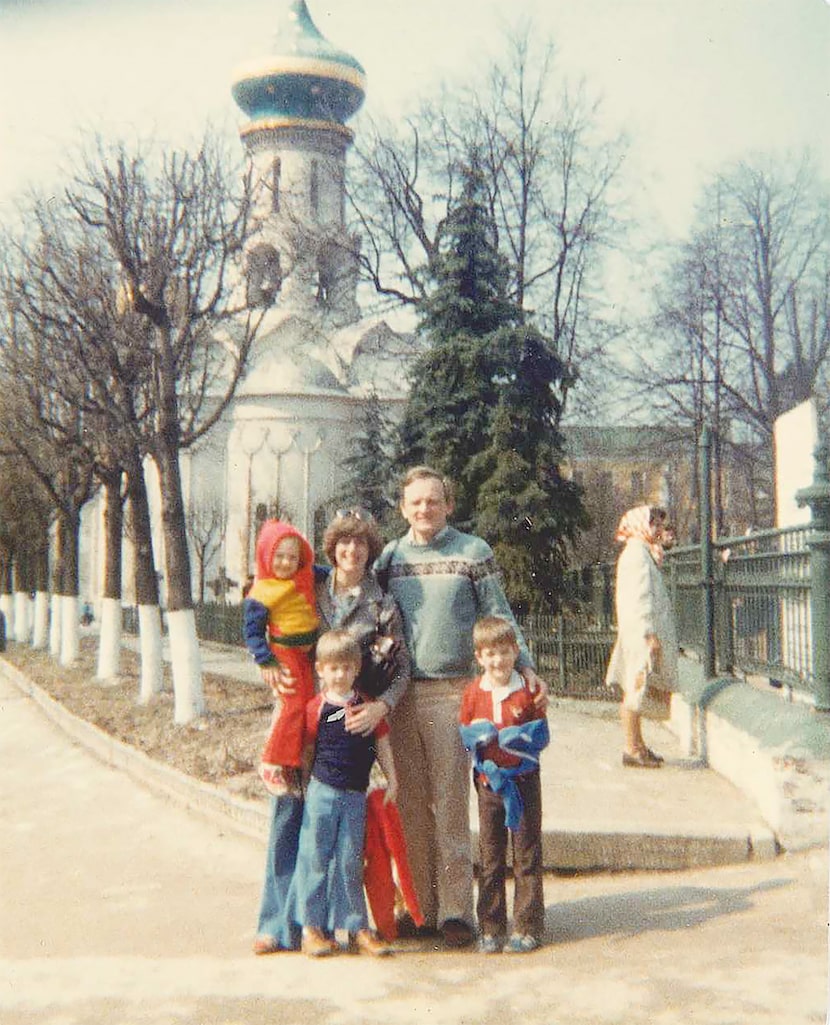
(285, 740)
(385, 846)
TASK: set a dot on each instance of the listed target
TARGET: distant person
(280, 627)
(443, 581)
(327, 891)
(505, 731)
(644, 659)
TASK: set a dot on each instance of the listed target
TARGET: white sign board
(796, 437)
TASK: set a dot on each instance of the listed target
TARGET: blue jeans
(328, 881)
(283, 839)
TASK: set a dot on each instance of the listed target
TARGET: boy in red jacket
(502, 727)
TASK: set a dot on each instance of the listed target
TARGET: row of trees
(120, 343)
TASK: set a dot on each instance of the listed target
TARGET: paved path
(597, 814)
(117, 907)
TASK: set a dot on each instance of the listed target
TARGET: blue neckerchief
(526, 741)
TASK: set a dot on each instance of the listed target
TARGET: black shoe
(408, 930)
(456, 933)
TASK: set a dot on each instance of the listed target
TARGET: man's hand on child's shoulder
(539, 689)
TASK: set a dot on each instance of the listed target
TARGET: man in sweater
(443, 581)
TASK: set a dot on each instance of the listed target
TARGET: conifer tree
(484, 409)
(525, 508)
(369, 466)
(454, 385)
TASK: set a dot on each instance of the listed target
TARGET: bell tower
(297, 99)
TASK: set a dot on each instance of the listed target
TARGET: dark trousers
(528, 894)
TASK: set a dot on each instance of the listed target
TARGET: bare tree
(745, 323)
(174, 232)
(552, 183)
(206, 530)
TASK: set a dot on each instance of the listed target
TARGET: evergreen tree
(454, 385)
(369, 466)
(525, 508)
(483, 409)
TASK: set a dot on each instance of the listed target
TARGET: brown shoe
(367, 942)
(316, 944)
(266, 945)
(640, 761)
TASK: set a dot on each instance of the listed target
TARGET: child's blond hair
(338, 646)
(491, 631)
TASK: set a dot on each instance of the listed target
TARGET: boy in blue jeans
(502, 727)
(328, 878)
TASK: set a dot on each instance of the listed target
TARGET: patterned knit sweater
(442, 588)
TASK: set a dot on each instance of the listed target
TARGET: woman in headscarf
(644, 660)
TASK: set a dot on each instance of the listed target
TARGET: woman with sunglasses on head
(347, 597)
(350, 597)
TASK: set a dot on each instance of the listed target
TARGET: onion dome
(303, 79)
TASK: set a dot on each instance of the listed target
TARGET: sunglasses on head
(354, 514)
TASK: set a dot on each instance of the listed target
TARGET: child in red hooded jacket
(280, 627)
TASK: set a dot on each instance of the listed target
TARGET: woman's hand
(390, 794)
(364, 719)
(538, 688)
(281, 680)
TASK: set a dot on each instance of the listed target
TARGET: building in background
(316, 359)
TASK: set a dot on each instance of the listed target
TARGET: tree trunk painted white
(22, 617)
(40, 631)
(186, 661)
(7, 608)
(152, 663)
(109, 640)
(55, 624)
(70, 629)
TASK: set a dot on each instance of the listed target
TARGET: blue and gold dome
(304, 79)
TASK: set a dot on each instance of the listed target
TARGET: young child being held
(327, 889)
(505, 732)
(280, 626)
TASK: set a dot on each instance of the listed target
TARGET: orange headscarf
(636, 523)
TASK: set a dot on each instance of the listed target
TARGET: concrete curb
(777, 753)
(568, 848)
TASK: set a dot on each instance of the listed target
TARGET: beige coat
(642, 607)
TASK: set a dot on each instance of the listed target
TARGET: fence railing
(762, 593)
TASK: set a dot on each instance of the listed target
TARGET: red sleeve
(312, 717)
(381, 730)
(466, 713)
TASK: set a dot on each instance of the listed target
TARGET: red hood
(272, 532)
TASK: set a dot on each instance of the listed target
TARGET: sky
(694, 84)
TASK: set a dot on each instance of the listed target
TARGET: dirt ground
(222, 747)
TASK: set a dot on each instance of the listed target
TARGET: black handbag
(380, 660)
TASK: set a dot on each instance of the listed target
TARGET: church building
(316, 360)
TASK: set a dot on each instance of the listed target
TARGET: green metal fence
(761, 585)
(761, 588)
